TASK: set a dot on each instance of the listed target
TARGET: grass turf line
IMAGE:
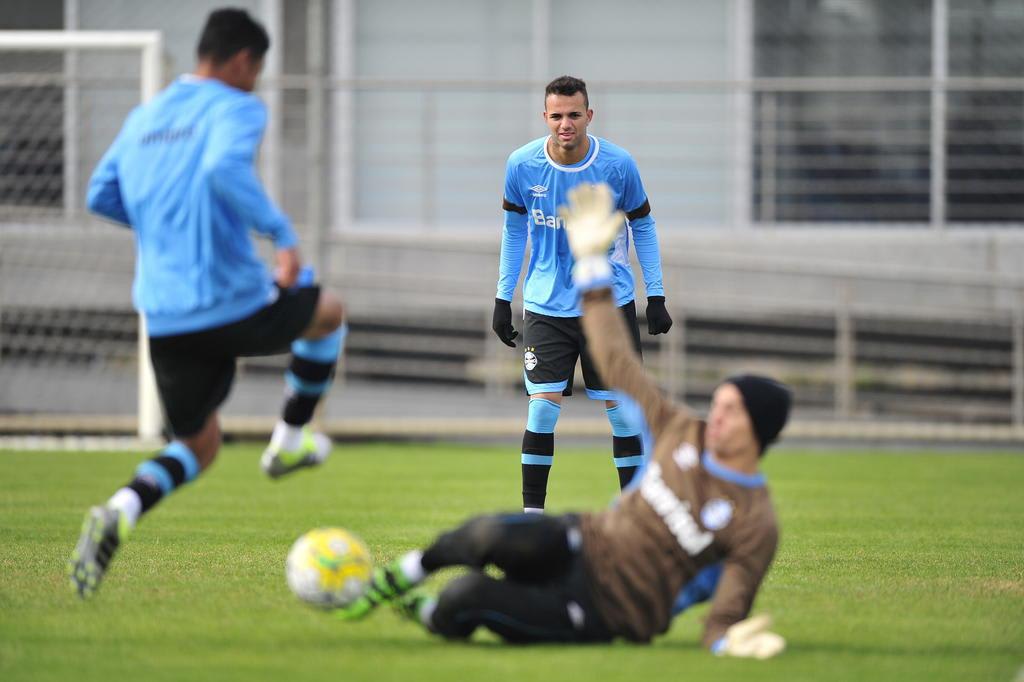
(904, 566)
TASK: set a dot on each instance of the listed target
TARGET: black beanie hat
(767, 402)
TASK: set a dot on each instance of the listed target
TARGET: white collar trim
(594, 142)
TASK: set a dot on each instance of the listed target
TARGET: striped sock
(309, 375)
(155, 478)
(627, 451)
(538, 451)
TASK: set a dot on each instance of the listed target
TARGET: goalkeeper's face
(567, 117)
(730, 431)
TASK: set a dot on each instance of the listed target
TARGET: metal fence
(395, 183)
(868, 349)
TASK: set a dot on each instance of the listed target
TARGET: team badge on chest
(716, 514)
(685, 456)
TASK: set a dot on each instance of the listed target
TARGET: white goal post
(150, 46)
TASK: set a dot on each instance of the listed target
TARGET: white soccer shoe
(103, 530)
(277, 462)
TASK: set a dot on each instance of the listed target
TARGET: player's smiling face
(567, 117)
(730, 431)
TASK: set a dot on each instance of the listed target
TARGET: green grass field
(895, 566)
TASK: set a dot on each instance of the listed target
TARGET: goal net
(69, 351)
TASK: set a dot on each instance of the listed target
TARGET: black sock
(627, 452)
(307, 382)
(538, 454)
(161, 475)
(147, 491)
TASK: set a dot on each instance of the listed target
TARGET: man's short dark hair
(227, 32)
(567, 86)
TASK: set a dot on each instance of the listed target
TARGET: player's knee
(542, 415)
(464, 591)
(483, 532)
(619, 420)
(330, 312)
(462, 595)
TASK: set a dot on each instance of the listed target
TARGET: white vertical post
(742, 36)
(844, 377)
(152, 71)
(315, 155)
(1018, 360)
(672, 346)
(343, 124)
(150, 414)
(270, 154)
(493, 364)
(767, 121)
(940, 72)
(1, 305)
(71, 115)
(675, 346)
(540, 58)
(428, 167)
(540, 41)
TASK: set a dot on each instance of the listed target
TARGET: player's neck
(211, 71)
(741, 461)
(205, 70)
(568, 157)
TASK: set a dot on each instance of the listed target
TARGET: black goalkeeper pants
(544, 596)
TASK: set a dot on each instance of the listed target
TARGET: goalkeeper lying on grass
(700, 505)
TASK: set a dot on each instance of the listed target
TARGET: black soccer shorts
(194, 371)
(552, 346)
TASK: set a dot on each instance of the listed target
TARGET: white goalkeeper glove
(592, 226)
(750, 638)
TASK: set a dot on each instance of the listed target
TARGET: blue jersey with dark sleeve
(181, 174)
(535, 187)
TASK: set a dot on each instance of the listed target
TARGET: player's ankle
(411, 567)
(287, 437)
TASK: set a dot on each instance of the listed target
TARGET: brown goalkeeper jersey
(687, 512)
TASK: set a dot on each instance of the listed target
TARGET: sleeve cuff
(718, 647)
(592, 272)
(285, 238)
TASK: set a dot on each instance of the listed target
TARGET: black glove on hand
(501, 323)
(658, 319)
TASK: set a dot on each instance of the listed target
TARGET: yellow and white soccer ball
(328, 567)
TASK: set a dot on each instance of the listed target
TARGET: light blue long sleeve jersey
(535, 186)
(181, 175)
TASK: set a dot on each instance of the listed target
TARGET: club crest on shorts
(716, 514)
(529, 359)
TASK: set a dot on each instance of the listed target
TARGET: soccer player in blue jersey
(180, 174)
(537, 178)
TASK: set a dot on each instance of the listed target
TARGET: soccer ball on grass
(328, 567)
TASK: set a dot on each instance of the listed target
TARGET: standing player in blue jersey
(180, 174)
(537, 178)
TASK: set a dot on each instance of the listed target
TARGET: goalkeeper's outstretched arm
(592, 226)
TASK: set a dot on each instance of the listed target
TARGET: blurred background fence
(838, 185)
